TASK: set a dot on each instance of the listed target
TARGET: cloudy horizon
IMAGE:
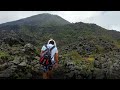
(106, 19)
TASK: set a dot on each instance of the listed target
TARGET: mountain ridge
(40, 19)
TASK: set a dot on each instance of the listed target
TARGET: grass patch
(100, 48)
(73, 55)
(4, 57)
(91, 59)
(3, 54)
(118, 45)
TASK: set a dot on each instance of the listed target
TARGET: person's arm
(56, 57)
(56, 60)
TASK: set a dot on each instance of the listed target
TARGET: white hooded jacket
(55, 50)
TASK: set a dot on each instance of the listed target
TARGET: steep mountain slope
(29, 28)
(39, 20)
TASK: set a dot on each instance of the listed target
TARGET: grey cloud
(109, 20)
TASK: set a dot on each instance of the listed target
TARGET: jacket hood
(53, 41)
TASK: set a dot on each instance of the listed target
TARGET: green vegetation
(4, 55)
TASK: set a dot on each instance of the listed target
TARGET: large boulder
(23, 64)
(3, 66)
(29, 49)
(16, 60)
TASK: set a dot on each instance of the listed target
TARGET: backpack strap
(46, 45)
(52, 48)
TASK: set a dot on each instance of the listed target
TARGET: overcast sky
(106, 19)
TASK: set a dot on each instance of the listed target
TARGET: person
(47, 70)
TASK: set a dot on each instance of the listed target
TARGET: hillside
(40, 20)
(86, 50)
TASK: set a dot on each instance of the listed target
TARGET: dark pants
(48, 67)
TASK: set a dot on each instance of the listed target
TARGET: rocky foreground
(23, 63)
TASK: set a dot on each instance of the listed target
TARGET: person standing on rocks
(48, 69)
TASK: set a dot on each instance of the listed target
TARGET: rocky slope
(83, 60)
